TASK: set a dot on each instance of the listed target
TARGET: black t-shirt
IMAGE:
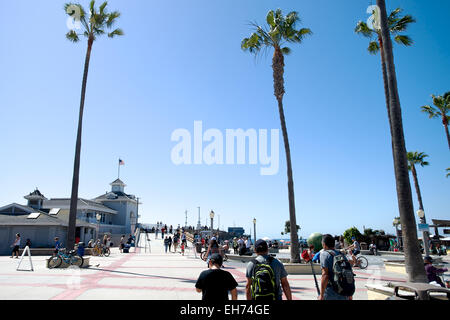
(215, 284)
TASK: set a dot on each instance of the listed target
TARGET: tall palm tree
(418, 158)
(397, 24)
(93, 26)
(442, 104)
(413, 257)
(448, 172)
(280, 31)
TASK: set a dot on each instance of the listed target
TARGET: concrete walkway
(141, 274)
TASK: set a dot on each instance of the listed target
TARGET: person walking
(331, 283)
(235, 246)
(16, 246)
(175, 242)
(169, 242)
(156, 232)
(215, 283)
(162, 232)
(166, 243)
(122, 243)
(266, 276)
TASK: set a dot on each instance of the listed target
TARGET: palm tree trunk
(445, 122)
(419, 199)
(76, 167)
(385, 80)
(416, 184)
(278, 83)
(413, 258)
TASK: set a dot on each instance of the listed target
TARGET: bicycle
(71, 258)
(361, 261)
(222, 253)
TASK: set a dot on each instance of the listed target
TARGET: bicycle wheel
(94, 252)
(202, 255)
(54, 262)
(362, 262)
(107, 252)
(225, 257)
(76, 261)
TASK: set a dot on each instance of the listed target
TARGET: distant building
(236, 231)
(42, 219)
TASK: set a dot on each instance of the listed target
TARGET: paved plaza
(146, 275)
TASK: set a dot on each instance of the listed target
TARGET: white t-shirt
(248, 243)
(17, 242)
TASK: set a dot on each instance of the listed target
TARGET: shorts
(15, 249)
(330, 294)
(356, 252)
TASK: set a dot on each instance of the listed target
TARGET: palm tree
(93, 26)
(281, 30)
(397, 25)
(448, 172)
(418, 158)
(413, 257)
(442, 104)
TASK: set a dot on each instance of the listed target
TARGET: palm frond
(116, 32)
(374, 47)
(112, 18)
(432, 112)
(363, 29)
(72, 36)
(401, 24)
(286, 50)
(404, 40)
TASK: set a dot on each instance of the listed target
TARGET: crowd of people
(266, 275)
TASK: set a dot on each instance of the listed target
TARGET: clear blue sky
(181, 61)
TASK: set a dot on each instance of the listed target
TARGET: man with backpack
(338, 282)
(266, 276)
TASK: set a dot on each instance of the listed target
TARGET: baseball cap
(261, 246)
(216, 259)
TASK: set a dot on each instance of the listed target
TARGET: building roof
(118, 182)
(116, 195)
(43, 219)
(35, 194)
(83, 204)
(441, 223)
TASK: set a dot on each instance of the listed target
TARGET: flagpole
(118, 170)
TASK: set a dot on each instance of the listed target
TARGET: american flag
(121, 162)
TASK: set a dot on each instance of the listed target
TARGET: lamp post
(396, 223)
(254, 229)
(425, 234)
(98, 216)
(211, 215)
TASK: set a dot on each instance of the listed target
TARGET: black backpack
(263, 285)
(343, 280)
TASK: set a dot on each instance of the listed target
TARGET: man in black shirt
(215, 283)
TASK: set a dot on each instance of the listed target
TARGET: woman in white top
(16, 246)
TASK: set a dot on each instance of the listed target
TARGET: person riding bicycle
(354, 250)
(212, 248)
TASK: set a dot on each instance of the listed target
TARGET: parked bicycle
(100, 250)
(71, 258)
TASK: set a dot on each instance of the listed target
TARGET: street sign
(424, 227)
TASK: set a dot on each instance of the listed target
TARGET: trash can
(198, 247)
